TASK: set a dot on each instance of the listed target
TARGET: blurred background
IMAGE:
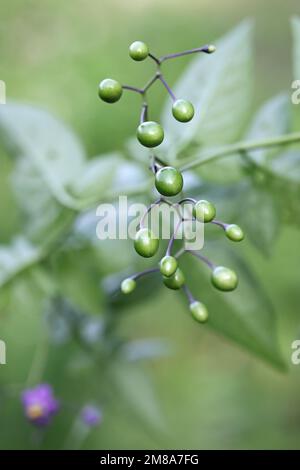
(209, 392)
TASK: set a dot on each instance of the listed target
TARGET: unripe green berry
(150, 134)
(110, 90)
(146, 243)
(199, 311)
(128, 285)
(204, 211)
(183, 110)
(234, 233)
(175, 281)
(168, 265)
(224, 278)
(138, 50)
(168, 181)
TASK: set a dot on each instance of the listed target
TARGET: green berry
(168, 265)
(175, 281)
(146, 243)
(199, 311)
(150, 134)
(234, 233)
(224, 278)
(128, 285)
(110, 90)
(168, 181)
(138, 50)
(204, 211)
(183, 110)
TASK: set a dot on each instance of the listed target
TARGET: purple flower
(91, 415)
(39, 404)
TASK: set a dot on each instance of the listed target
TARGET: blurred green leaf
(137, 392)
(50, 147)
(245, 316)
(259, 217)
(16, 257)
(296, 46)
(272, 119)
(219, 86)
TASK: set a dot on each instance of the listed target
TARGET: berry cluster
(169, 183)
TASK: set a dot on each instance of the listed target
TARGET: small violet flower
(91, 415)
(40, 404)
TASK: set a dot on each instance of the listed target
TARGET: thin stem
(157, 202)
(150, 83)
(167, 87)
(218, 222)
(144, 113)
(188, 52)
(132, 88)
(188, 293)
(239, 147)
(170, 244)
(144, 273)
(153, 57)
(202, 258)
(187, 199)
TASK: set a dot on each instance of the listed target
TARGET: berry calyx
(128, 285)
(175, 281)
(150, 134)
(110, 90)
(204, 211)
(234, 233)
(224, 278)
(199, 311)
(183, 110)
(146, 243)
(138, 50)
(168, 181)
(168, 265)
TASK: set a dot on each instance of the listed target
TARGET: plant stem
(188, 293)
(153, 57)
(144, 273)
(132, 88)
(144, 113)
(150, 83)
(202, 258)
(239, 147)
(163, 81)
(180, 54)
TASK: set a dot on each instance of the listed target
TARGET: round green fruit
(204, 211)
(199, 311)
(224, 278)
(138, 50)
(128, 285)
(110, 90)
(168, 181)
(168, 265)
(234, 233)
(183, 110)
(146, 243)
(150, 134)
(175, 281)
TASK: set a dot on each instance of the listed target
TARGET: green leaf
(16, 257)
(272, 119)
(138, 394)
(97, 177)
(50, 147)
(296, 46)
(246, 315)
(219, 86)
(259, 217)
